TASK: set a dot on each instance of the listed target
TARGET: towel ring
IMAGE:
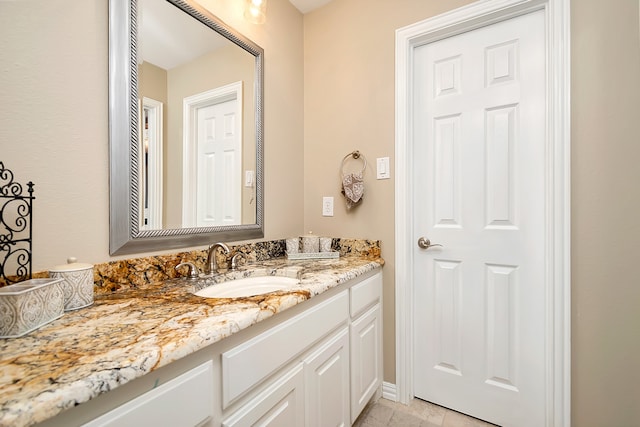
(356, 155)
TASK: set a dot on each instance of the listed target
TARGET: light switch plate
(383, 171)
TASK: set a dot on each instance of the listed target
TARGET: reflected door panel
(179, 59)
(219, 163)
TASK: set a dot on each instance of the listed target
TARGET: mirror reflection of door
(151, 164)
(180, 58)
(213, 158)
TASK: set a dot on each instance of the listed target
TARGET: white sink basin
(248, 287)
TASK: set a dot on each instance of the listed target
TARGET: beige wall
(605, 93)
(152, 82)
(53, 116)
(349, 104)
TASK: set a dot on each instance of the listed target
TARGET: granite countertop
(127, 334)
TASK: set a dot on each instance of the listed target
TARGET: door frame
(557, 188)
(154, 183)
(190, 106)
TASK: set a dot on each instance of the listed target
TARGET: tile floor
(385, 413)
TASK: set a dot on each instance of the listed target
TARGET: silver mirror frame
(125, 237)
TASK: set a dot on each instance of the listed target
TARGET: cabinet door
(279, 405)
(327, 382)
(246, 365)
(366, 359)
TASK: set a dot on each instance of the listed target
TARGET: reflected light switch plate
(248, 178)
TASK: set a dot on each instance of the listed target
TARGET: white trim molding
(558, 251)
(153, 190)
(389, 391)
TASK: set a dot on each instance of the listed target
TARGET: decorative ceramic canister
(310, 243)
(293, 245)
(26, 306)
(325, 244)
(77, 284)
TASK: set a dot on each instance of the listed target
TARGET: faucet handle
(234, 260)
(192, 272)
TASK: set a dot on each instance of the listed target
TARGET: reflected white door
(219, 165)
(151, 183)
(479, 153)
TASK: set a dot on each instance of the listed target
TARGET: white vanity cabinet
(313, 392)
(366, 359)
(312, 344)
(246, 366)
(327, 382)
(366, 342)
(315, 364)
(336, 344)
(180, 394)
(186, 400)
(279, 405)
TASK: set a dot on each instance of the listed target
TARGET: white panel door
(219, 165)
(479, 190)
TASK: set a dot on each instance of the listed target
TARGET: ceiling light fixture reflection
(255, 11)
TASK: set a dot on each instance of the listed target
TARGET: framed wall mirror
(185, 128)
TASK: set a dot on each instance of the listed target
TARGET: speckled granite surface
(144, 326)
(133, 273)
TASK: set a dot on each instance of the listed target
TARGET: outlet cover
(327, 206)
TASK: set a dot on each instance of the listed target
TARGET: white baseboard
(389, 391)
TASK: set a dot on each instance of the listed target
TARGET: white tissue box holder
(28, 305)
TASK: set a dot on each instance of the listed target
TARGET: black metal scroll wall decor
(16, 210)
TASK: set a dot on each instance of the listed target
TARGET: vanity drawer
(280, 405)
(365, 294)
(246, 365)
(186, 400)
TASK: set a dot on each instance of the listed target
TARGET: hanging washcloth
(353, 183)
(352, 188)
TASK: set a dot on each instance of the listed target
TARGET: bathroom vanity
(163, 356)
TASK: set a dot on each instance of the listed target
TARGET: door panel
(327, 383)
(219, 165)
(479, 153)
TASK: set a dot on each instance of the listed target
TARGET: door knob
(426, 243)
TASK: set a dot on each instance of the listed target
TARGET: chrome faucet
(212, 265)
